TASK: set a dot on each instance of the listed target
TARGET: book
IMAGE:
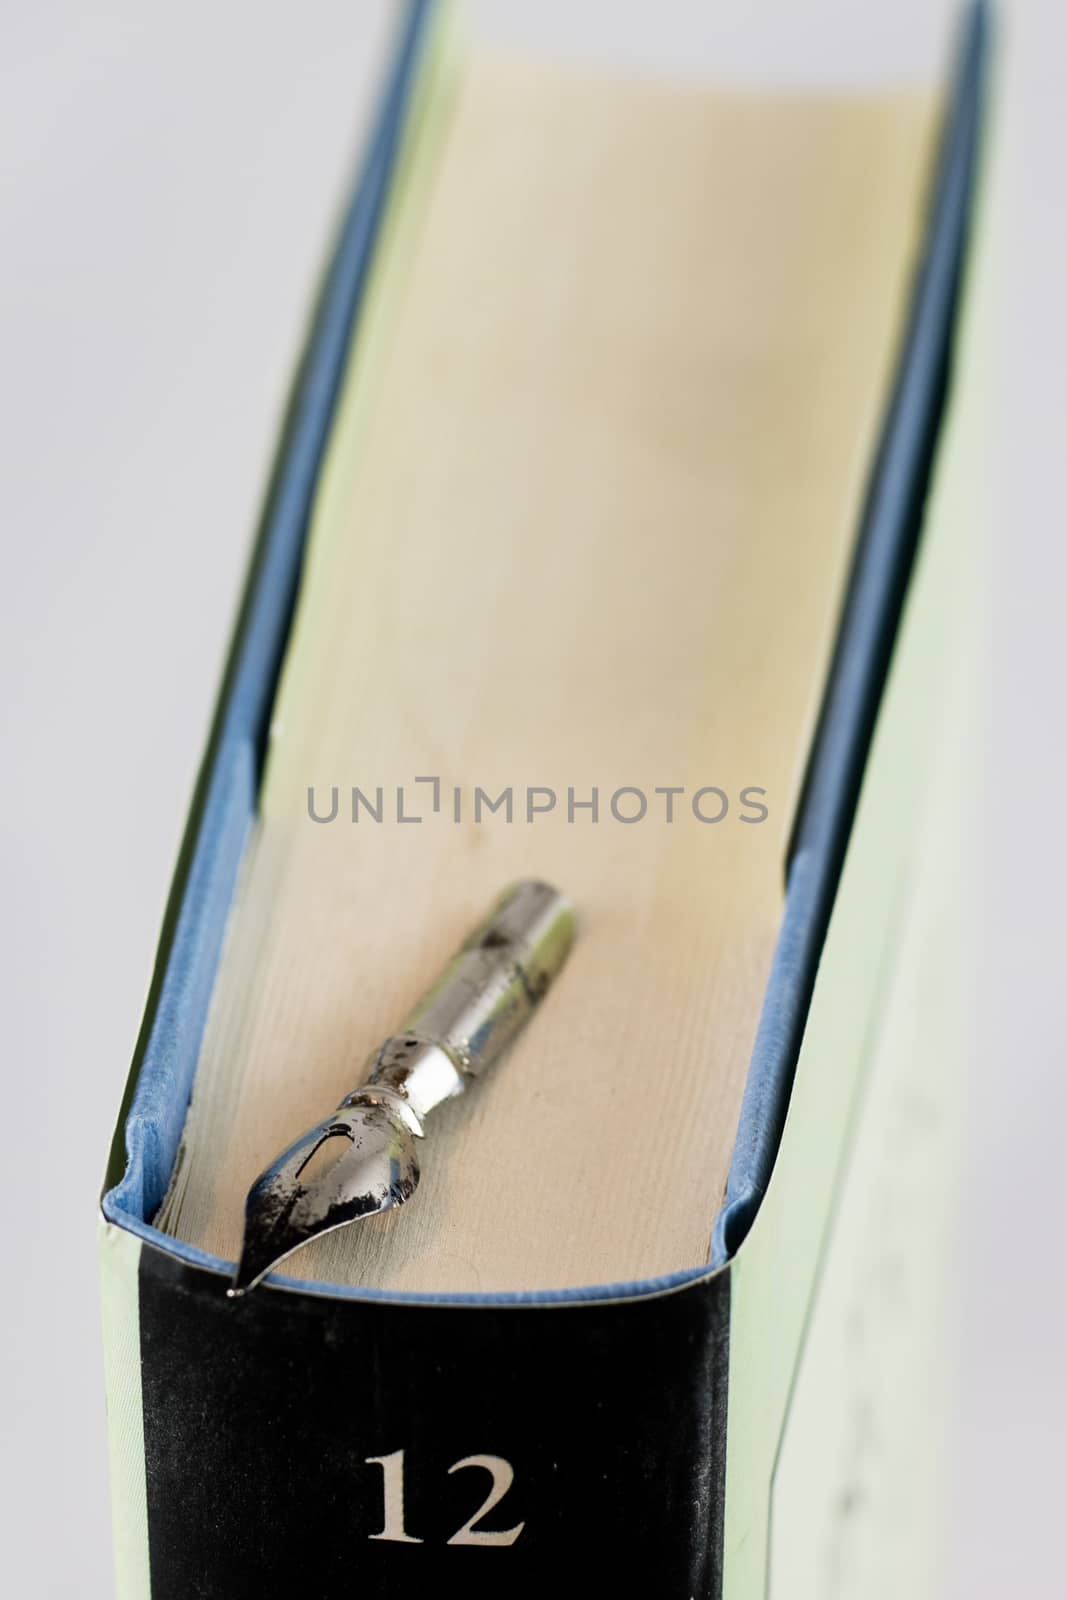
(593, 525)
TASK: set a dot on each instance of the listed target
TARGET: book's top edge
(186, 969)
(205, 1266)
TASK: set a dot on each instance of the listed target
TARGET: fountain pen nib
(362, 1158)
(355, 1163)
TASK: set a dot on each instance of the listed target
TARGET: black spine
(261, 1419)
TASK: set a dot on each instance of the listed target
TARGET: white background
(169, 174)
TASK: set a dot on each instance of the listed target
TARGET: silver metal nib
(362, 1158)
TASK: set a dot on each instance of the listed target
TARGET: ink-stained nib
(362, 1159)
(355, 1163)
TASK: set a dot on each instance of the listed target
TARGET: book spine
(341, 1445)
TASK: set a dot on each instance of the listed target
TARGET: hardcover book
(616, 541)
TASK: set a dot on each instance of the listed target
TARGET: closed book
(617, 538)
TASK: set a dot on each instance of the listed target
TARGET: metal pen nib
(361, 1159)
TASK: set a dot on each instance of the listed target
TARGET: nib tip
(247, 1274)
